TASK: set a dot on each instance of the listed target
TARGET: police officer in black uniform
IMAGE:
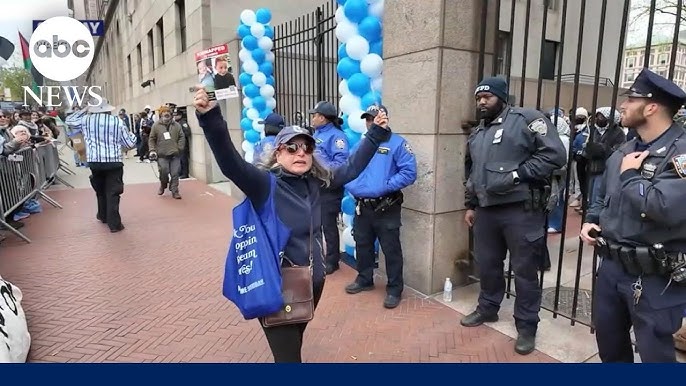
(180, 118)
(510, 159)
(638, 225)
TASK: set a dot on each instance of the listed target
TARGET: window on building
(663, 59)
(181, 23)
(629, 77)
(151, 51)
(552, 4)
(160, 39)
(139, 60)
(128, 68)
(630, 62)
(503, 52)
(549, 59)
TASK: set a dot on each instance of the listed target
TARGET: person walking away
(608, 136)
(143, 150)
(167, 142)
(104, 135)
(378, 192)
(127, 123)
(296, 196)
(332, 151)
(510, 159)
(273, 124)
(180, 118)
(638, 226)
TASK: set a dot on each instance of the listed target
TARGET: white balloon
(267, 91)
(249, 156)
(257, 30)
(377, 83)
(371, 65)
(271, 103)
(248, 17)
(252, 114)
(250, 66)
(350, 103)
(247, 146)
(340, 15)
(347, 236)
(269, 56)
(247, 102)
(259, 79)
(345, 30)
(244, 54)
(356, 123)
(343, 88)
(357, 47)
(376, 9)
(265, 43)
(257, 126)
(347, 220)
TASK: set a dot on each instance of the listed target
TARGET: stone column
(430, 71)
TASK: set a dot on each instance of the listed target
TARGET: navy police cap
(651, 85)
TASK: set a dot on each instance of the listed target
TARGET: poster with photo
(215, 71)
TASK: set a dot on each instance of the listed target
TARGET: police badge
(648, 171)
(539, 126)
(340, 144)
(680, 165)
(408, 148)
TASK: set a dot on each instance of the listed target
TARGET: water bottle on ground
(448, 290)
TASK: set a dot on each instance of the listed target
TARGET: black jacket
(602, 147)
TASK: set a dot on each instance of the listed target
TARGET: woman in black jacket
(299, 178)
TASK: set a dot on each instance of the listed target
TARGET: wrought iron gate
(306, 56)
(570, 74)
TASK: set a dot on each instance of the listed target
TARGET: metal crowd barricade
(50, 157)
(26, 174)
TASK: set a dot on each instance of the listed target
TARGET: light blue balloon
(251, 91)
(264, 15)
(359, 84)
(347, 67)
(252, 136)
(341, 2)
(259, 103)
(348, 205)
(243, 31)
(245, 79)
(342, 52)
(265, 112)
(376, 48)
(269, 31)
(355, 10)
(244, 112)
(246, 124)
(250, 42)
(371, 98)
(370, 28)
(353, 137)
(258, 54)
(271, 80)
(349, 249)
(266, 68)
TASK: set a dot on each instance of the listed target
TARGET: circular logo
(61, 48)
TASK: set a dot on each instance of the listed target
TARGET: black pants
(286, 341)
(107, 180)
(185, 163)
(367, 227)
(331, 207)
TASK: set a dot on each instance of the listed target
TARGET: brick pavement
(152, 293)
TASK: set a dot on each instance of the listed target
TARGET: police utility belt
(642, 261)
(379, 204)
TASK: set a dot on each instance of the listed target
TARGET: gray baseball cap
(290, 132)
(324, 108)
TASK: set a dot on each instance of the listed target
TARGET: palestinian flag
(37, 76)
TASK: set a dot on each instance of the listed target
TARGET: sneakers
(21, 215)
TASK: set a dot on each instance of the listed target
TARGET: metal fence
(584, 57)
(306, 56)
(24, 175)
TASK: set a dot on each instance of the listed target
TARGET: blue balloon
(349, 249)
(266, 68)
(244, 112)
(246, 124)
(376, 48)
(342, 52)
(271, 80)
(359, 84)
(347, 67)
(243, 31)
(245, 79)
(258, 54)
(353, 137)
(259, 103)
(264, 113)
(252, 136)
(348, 205)
(370, 28)
(250, 42)
(371, 98)
(341, 2)
(269, 31)
(264, 15)
(355, 10)
(251, 91)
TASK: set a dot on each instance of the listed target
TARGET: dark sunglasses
(4, 116)
(292, 148)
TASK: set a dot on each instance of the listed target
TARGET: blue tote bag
(252, 274)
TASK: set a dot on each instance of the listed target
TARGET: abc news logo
(61, 48)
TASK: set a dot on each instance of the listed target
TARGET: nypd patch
(680, 165)
(408, 148)
(539, 126)
(340, 144)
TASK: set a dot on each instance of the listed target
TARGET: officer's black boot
(331, 268)
(476, 319)
(526, 343)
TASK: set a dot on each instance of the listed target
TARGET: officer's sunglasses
(292, 148)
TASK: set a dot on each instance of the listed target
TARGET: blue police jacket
(332, 146)
(264, 143)
(392, 168)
